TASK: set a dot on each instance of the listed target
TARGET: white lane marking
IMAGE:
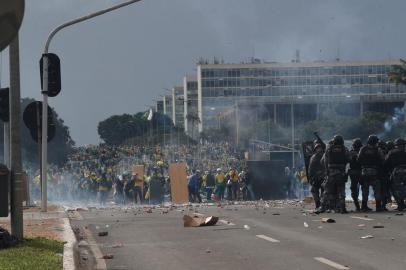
(362, 218)
(267, 238)
(331, 263)
(226, 222)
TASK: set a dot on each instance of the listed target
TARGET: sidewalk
(53, 224)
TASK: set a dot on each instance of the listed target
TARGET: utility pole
(16, 208)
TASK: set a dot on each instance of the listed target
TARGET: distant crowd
(102, 173)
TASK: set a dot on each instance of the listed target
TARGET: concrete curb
(100, 263)
(94, 248)
(68, 253)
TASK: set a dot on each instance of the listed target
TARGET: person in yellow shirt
(138, 187)
(220, 184)
(233, 176)
(105, 184)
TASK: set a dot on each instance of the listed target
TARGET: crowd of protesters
(102, 173)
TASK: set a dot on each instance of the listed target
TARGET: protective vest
(369, 156)
(396, 158)
(337, 155)
(316, 169)
(354, 164)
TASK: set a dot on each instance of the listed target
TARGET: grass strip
(33, 253)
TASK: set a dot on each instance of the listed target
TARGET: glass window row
(329, 80)
(293, 71)
(286, 91)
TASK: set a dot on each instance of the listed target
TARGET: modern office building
(178, 106)
(159, 106)
(302, 90)
(168, 106)
(191, 116)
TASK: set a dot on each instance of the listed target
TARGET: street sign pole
(44, 137)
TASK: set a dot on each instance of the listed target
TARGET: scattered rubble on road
(102, 233)
(83, 243)
(328, 220)
(378, 226)
(199, 221)
(305, 225)
(108, 256)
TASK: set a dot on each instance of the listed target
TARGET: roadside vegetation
(33, 254)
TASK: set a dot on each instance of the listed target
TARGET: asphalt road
(264, 236)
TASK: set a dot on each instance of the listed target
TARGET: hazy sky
(120, 62)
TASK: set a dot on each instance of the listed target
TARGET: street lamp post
(45, 92)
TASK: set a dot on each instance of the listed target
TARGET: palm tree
(399, 73)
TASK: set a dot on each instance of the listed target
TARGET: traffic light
(54, 74)
(4, 105)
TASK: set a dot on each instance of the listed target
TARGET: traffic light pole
(44, 135)
(16, 200)
(45, 92)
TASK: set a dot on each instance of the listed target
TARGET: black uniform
(395, 164)
(335, 160)
(385, 178)
(356, 180)
(371, 160)
(317, 176)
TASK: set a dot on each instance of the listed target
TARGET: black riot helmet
(399, 142)
(390, 145)
(372, 140)
(357, 143)
(338, 140)
(382, 145)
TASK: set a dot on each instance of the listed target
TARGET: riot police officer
(355, 173)
(395, 164)
(371, 160)
(316, 174)
(384, 176)
(335, 161)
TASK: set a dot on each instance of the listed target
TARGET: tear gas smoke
(393, 121)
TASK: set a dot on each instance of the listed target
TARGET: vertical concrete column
(274, 114)
(404, 110)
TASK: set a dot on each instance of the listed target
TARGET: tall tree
(59, 147)
(117, 129)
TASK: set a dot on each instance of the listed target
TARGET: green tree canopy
(117, 129)
(58, 148)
